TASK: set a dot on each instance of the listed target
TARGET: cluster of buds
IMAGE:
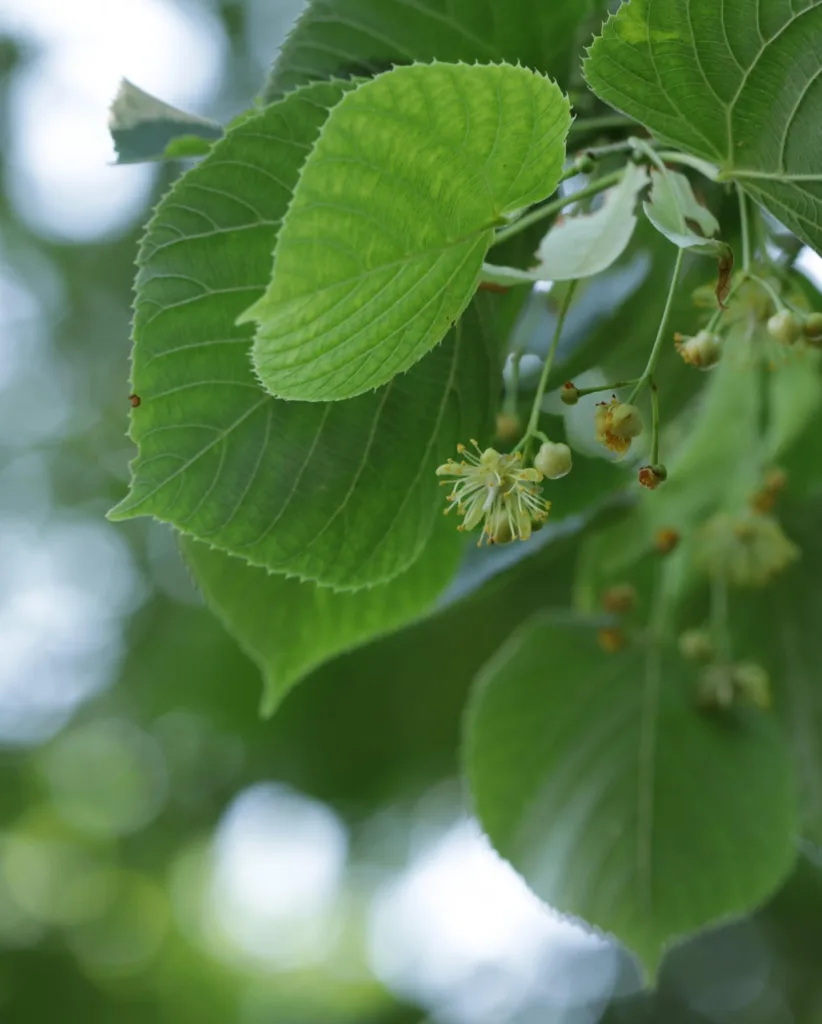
(788, 327)
(617, 424)
(722, 686)
(748, 550)
(496, 490)
(701, 351)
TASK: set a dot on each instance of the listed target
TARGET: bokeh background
(166, 855)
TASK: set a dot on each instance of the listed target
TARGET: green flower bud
(784, 327)
(696, 645)
(753, 683)
(554, 460)
(569, 394)
(812, 328)
(715, 690)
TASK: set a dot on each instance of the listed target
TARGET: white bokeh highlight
(59, 152)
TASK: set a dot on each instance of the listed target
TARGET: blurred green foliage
(130, 734)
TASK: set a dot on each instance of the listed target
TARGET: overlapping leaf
(340, 493)
(395, 208)
(289, 627)
(737, 83)
(780, 629)
(621, 804)
(344, 37)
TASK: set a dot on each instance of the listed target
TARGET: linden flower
(616, 424)
(702, 350)
(496, 490)
(747, 550)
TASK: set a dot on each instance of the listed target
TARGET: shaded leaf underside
(339, 493)
(618, 802)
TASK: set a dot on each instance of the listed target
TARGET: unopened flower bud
(784, 327)
(753, 683)
(619, 599)
(509, 427)
(652, 476)
(812, 328)
(569, 394)
(666, 540)
(696, 645)
(585, 163)
(611, 639)
(554, 460)
(715, 690)
(702, 350)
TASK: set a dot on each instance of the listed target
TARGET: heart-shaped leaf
(395, 209)
(619, 802)
(735, 82)
(289, 627)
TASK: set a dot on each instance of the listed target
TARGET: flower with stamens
(616, 424)
(748, 550)
(496, 490)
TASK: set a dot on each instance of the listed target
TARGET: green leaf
(794, 396)
(583, 245)
(345, 493)
(394, 211)
(736, 83)
(289, 627)
(363, 37)
(619, 802)
(144, 128)
(779, 627)
(673, 208)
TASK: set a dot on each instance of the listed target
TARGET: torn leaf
(675, 212)
(144, 128)
(583, 245)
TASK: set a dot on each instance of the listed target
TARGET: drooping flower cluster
(747, 550)
(721, 686)
(496, 490)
